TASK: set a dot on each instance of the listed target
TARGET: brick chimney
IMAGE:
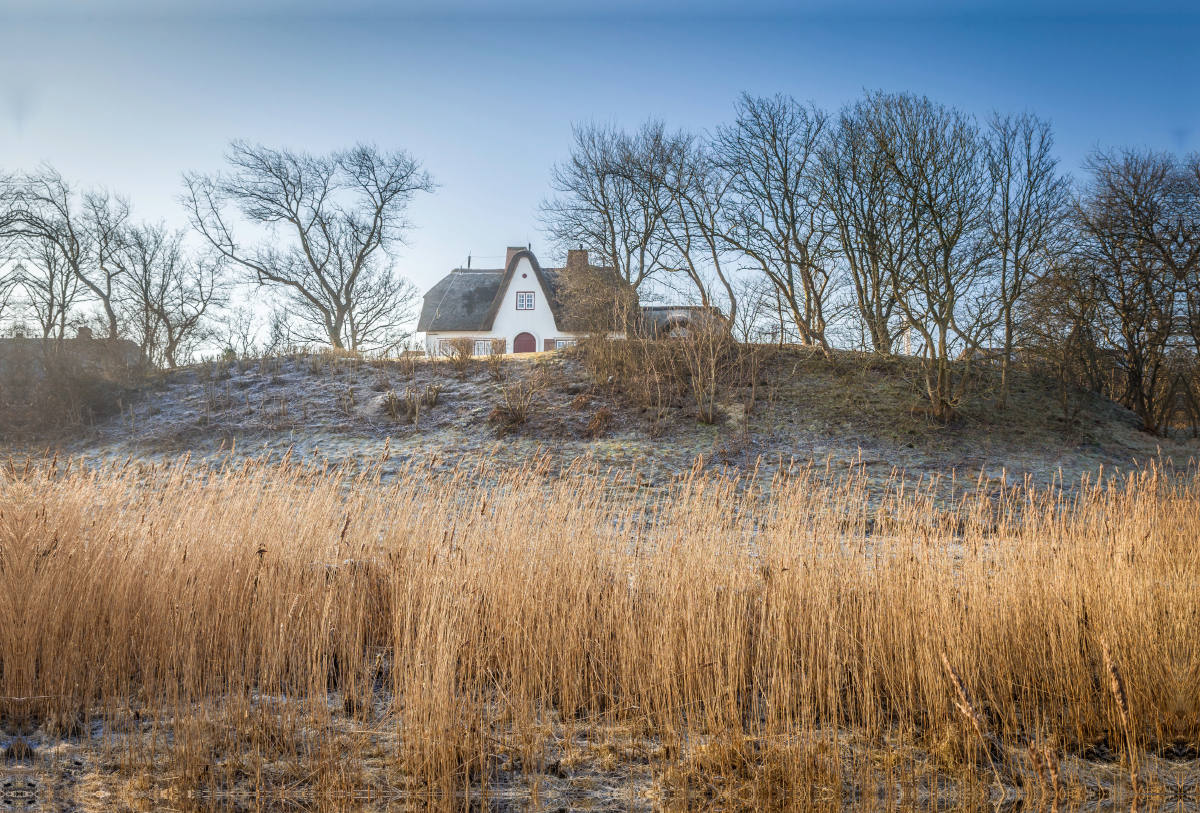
(577, 258)
(511, 251)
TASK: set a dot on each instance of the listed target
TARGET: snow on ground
(325, 408)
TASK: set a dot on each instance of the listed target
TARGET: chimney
(511, 251)
(576, 258)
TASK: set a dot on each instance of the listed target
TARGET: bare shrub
(383, 381)
(708, 353)
(408, 362)
(658, 375)
(610, 363)
(458, 352)
(408, 406)
(430, 395)
(516, 398)
(396, 406)
(597, 302)
(48, 385)
(497, 360)
(600, 423)
(347, 401)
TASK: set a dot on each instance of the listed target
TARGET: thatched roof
(461, 300)
(468, 299)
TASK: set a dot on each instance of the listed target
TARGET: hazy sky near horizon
(129, 94)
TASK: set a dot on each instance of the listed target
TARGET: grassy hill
(847, 410)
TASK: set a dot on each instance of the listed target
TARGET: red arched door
(524, 343)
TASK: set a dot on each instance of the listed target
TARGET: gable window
(525, 300)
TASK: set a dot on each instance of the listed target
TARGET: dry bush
(408, 362)
(397, 405)
(600, 423)
(459, 351)
(497, 361)
(650, 372)
(431, 394)
(657, 374)
(749, 375)
(709, 355)
(383, 381)
(408, 406)
(610, 363)
(46, 385)
(233, 615)
(516, 398)
(597, 302)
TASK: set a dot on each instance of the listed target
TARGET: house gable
(534, 325)
(506, 296)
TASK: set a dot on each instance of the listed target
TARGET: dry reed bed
(267, 625)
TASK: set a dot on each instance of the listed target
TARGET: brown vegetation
(46, 384)
(255, 627)
(459, 352)
(704, 368)
(497, 361)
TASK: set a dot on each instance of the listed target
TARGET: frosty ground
(840, 412)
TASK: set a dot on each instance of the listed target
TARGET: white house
(518, 303)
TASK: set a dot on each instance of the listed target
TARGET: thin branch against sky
(487, 100)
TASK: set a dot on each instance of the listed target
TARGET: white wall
(539, 321)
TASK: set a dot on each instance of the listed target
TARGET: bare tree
(50, 288)
(86, 230)
(774, 215)
(755, 318)
(9, 282)
(873, 235)
(597, 302)
(1029, 210)
(387, 305)
(9, 191)
(1190, 277)
(237, 328)
(331, 218)
(941, 189)
(611, 200)
(1138, 232)
(1058, 319)
(698, 191)
(11, 269)
(167, 294)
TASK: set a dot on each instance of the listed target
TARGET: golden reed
(440, 629)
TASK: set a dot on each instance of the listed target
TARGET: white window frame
(483, 347)
(524, 304)
(559, 344)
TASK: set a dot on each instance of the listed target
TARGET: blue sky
(129, 93)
